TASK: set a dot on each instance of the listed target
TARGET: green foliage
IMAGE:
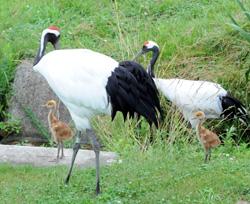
(10, 127)
(37, 123)
(243, 9)
(242, 32)
(247, 74)
(245, 34)
(159, 175)
(195, 43)
(193, 37)
(6, 77)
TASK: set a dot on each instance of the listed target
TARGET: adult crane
(90, 83)
(191, 96)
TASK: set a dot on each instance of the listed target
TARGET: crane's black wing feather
(131, 90)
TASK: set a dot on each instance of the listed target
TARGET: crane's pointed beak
(138, 55)
(56, 45)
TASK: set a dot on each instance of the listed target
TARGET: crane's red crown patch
(53, 28)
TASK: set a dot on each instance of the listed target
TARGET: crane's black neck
(152, 62)
(48, 37)
(42, 48)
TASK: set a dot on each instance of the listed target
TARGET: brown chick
(60, 131)
(207, 138)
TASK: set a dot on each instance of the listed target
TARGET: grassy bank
(196, 43)
(194, 36)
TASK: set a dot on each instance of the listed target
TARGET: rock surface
(43, 156)
(31, 91)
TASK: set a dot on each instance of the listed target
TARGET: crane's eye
(144, 47)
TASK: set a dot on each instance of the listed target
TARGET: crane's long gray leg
(96, 146)
(75, 151)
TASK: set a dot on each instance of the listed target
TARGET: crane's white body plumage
(78, 77)
(191, 96)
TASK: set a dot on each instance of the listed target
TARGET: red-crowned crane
(90, 83)
(191, 96)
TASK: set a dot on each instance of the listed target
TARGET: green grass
(159, 175)
(194, 36)
(196, 42)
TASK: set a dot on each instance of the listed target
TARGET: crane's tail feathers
(147, 85)
(131, 96)
(232, 107)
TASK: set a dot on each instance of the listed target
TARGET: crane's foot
(66, 182)
(56, 160)
(62, 157)
(97, 190)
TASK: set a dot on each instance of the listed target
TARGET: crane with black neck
(191, 96)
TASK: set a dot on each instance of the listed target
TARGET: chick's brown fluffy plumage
(60, 131)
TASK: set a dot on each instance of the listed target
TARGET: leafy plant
(9, 127)
(247, 74)
(37, 123)
(6, 76)
(242, 31)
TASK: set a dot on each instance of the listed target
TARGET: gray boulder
(30, 92)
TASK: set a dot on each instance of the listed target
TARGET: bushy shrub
(9, 127)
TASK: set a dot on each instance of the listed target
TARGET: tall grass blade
(247, 74)
(233, 20)
(247, 13)
(244, 9)
(37, 123)
(242, 32)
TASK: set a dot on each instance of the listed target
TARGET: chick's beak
(56, 45)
